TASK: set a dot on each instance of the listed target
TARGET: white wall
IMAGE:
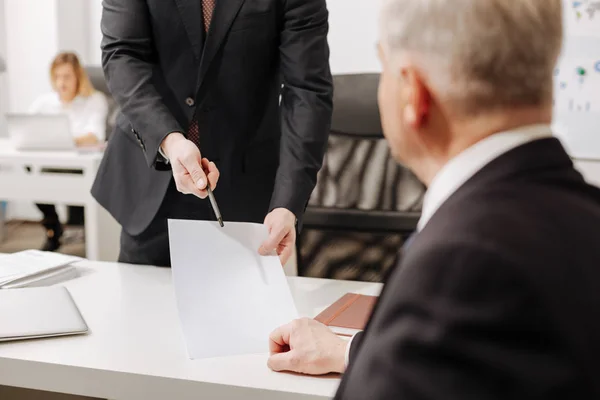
(95, 36)
(73, 27)
(3, 77)
(353, 36)
(32, 40)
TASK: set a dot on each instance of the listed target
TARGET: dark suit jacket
(161, 69)
(498, 297)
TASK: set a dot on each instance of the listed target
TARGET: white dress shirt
(465, 165)
(86, 114)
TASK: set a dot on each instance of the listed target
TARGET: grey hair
(478, 54)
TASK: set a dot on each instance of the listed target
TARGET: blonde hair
(84, 85)
(478, 55)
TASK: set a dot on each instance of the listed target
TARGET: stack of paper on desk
(229, 297)
(35, 268)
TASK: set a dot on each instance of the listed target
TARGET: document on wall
(229, 297)
(576, 119)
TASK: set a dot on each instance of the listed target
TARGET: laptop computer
(40, 132)
(38, 313)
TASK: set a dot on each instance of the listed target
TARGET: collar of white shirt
(466, 164)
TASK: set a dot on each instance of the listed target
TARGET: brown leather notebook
(349, 314)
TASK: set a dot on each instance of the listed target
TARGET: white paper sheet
(31, 263)
(229, 297)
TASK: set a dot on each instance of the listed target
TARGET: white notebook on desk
(39, 312)
(35, 268)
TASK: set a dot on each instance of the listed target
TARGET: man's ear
(418, 100)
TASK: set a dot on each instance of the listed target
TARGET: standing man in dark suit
(498, 294)
(240, 84)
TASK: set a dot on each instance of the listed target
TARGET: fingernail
(200, 183)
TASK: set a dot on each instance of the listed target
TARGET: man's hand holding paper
(229, 297)
(281, 224)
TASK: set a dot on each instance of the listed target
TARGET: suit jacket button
(190, 102)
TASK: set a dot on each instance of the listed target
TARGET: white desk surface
(135, 349)
(7, 151)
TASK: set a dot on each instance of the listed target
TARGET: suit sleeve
(460, 325)
(306, 102)
(128, 60)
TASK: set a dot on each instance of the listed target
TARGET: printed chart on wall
(577, 81)
(582, 18)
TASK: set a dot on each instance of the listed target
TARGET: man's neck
(465, 132)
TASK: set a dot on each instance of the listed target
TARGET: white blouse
(86, 114)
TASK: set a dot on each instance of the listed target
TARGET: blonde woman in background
(87, 111)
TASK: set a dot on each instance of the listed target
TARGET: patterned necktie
(208, 7)
(194, 132)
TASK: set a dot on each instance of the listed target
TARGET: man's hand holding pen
(190, 170)
(191, 173)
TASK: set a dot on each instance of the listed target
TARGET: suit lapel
(191, 14)
(223, 16)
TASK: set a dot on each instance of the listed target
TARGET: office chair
(360, 187)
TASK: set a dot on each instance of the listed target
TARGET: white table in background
(23, 178)
(135, 349)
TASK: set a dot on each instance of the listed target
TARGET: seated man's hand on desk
(190, 170)
(308, 347)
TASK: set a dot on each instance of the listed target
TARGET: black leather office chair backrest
(96, 76)
(364, 203)
(356, 111)
(359, 171)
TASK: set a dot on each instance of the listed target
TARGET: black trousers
(151, 247)
(50, 217)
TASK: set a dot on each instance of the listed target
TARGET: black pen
(215, 207)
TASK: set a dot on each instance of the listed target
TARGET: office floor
(23, 235)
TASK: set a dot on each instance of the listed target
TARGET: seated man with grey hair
(498, 294)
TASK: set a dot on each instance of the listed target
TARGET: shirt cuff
(163, 155)
(347, 356)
